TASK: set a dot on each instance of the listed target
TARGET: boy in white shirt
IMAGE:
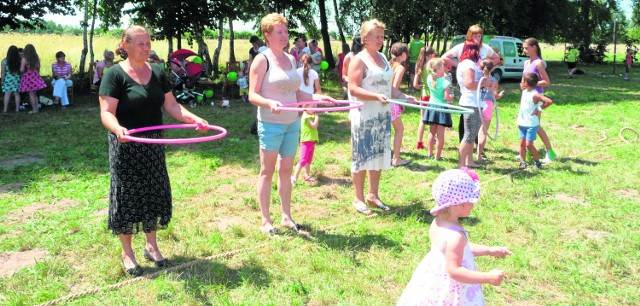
(531, 105)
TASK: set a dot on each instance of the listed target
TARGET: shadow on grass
(354, 242)
(213, 274)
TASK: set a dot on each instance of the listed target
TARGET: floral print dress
(432, 285)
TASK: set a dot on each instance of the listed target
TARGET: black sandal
(159, 263)
(135, 271)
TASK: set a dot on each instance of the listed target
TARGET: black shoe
(159, 263)
(135, 271)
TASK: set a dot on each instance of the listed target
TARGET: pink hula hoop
(222, 131)
(294, 107)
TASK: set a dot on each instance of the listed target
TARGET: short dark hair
(253, 39)
(531, 79)
(60, 54)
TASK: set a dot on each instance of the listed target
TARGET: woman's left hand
(328, 101)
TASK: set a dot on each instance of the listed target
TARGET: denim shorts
(528, 131)
(283, 138)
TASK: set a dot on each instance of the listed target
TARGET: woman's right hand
(495, 277)
(275, 106)
(120, 133)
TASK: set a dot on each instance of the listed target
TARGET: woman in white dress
(370, 77)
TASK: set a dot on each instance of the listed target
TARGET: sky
(625, 5)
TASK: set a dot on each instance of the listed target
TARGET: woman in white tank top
(273, 82)
(370, 77)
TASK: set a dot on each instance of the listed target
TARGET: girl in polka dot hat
(448, 273)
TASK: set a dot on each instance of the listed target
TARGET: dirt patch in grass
(13, 187)
(629, 193)
(24, 160)
(100, 212)
(10, 262)
(225, 223)
(587, 233)
(564, 198)
(23, 214)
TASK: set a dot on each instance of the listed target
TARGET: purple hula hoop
(222, 131)
(293, 107)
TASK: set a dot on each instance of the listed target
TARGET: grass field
(572, 226)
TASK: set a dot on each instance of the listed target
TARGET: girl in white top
(309, 77)
(370, 78)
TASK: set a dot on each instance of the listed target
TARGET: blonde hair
(433, 65)
(127, 36)
(268, 22)
(474, 29)
(369, 26)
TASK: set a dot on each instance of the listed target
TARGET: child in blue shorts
(531, 105)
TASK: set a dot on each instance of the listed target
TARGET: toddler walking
(243, 83)
(531, 105)
(308, 139)
(448, 273)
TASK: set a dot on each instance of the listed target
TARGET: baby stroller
(185, 75)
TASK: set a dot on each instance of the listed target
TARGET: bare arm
(178, 112)
(345, 67)
(316, 82)
(453, 254)
(451, 54)
(544, 78)
(108, 106)
(546, 102)
(417, 80)
(447, 94)
(470, 82)
(483, 250)
(398, 74)
(313, 123)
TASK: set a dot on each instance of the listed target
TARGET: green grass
(572, 226)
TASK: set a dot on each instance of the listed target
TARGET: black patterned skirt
(140, 193)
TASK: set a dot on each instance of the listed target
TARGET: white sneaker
(546, 160)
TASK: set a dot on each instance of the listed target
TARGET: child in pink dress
(448, 273)
(31, 81)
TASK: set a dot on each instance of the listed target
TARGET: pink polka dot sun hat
(455, 187)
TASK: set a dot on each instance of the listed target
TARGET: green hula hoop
(444, 108)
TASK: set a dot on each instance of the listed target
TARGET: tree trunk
(326, 39)
(338, 23)
(586, 30)
(179, 38)
(216, 54)
(232, 53)
(85, 24)
(170, 40)
(91, 32)
(203, 51)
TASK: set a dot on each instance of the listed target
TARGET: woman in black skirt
(132, 95)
